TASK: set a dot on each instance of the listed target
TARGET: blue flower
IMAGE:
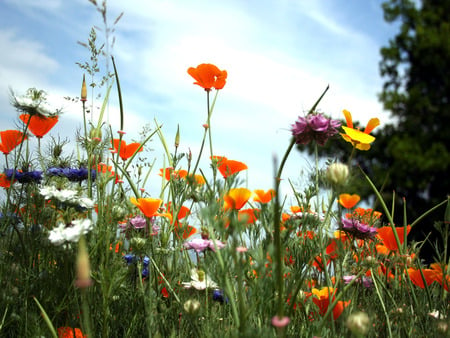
(24, 176)
(72, 174)
(218, 296)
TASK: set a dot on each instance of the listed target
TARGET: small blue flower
(129, 258)
(218, 296)
(24, 176)
(72, 174)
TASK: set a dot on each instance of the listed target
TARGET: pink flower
(280, 322)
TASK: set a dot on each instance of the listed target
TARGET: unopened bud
(337, 173)
(83, 91)
(358, 323)
(191, 306)
(177, 137)
(83, 266)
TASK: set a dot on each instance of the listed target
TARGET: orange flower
(322, 300)
(360, 140)
(39, 125)
(388, 238)
(208, 76)
(438, 275)
(228, 167)
(248, 215)
(126, 151)
(236, 198)
(348, 201)
(10, 140)
(4, 181)
(417, 279)
(149, 206)
(262, 196)
(68, 332)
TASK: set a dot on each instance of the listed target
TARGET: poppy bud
(358, 323)
(337, 173)
(83, 91)
(191, 306)
(177, 137)
(83, 267)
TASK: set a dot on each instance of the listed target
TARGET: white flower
(200, 281)
(66, 195)
(71, 232)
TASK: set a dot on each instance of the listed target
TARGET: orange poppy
(228, 167)
(236, 198)
(348, 201)
(39, 125)
(359, 139)
(10, 140)
(126, 150)
(322, 300)
(417, 279)
(208, 76)
(4, 181)
(248, 215)
(149, 206)
(262, 196)
(388, 238)
(68, 332)
(438, 275)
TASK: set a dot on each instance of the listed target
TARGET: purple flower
(358, 229)
(197, 244)
(365, 281)
(315, 127)
(318, 123)
(138, 222)
(200, 244)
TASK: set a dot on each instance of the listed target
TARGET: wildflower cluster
(90, 243)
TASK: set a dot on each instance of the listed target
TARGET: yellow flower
(359, 139)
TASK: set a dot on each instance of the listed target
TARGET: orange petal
(348, 201)
(371, 125)
(230, 167)
(348, 118)
(149, 206)
(388, 238)
(236, 198)
(39, 125)
(262, 196)
(10, 140)
(129, 150)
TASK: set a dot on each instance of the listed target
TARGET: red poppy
(126, 150)
(39, 125)
(10, 140)
(5, 182)
(68, 332)
(208, 76)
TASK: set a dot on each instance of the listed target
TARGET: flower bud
(83, 267)
(191, 306)
(177, 137)
(358, 323)
(83, 91)
(337, 173)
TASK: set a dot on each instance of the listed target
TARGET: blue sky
(279, 54)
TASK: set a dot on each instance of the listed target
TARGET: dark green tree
(411, 156)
